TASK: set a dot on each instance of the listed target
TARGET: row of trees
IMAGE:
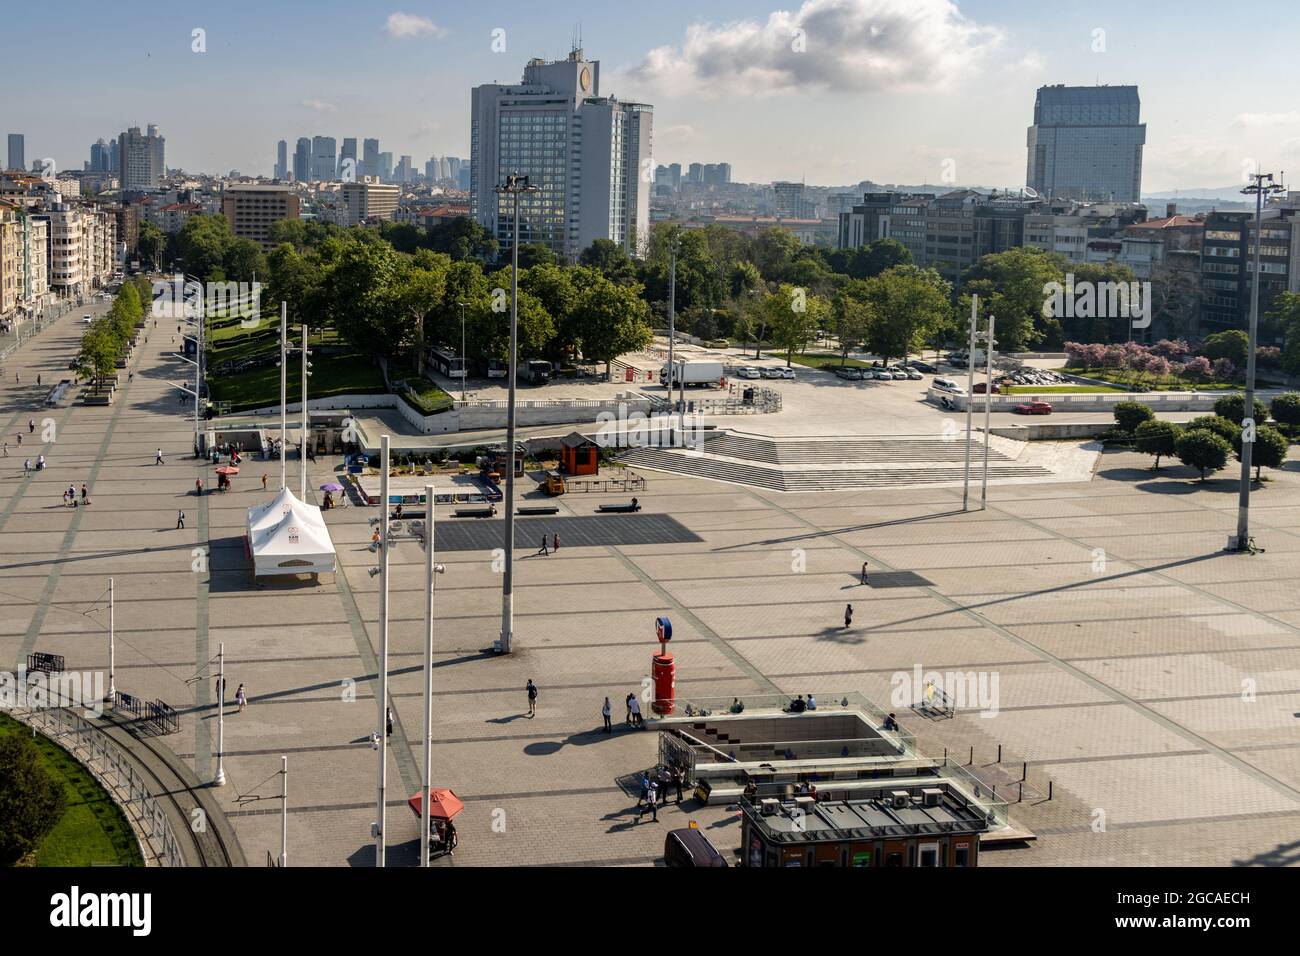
(108, 339)
(1206, 442)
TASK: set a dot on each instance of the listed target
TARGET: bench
(619, 509)
(539, 510)
(487, 511)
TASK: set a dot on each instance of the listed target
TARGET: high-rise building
(1086, 143)
(17, 151)
(324, 159)
(142, 159)
(252, 208)
(405, 170)
(282, 160)
(790, 201)
(369, 158)
(584, 152)
(114, 156)
(348, 171)
(99, 158)
(695, 173)
(302, 160)
(385, 161)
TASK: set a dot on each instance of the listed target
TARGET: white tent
(287, 536)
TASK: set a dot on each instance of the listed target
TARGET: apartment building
(367, 200)
(252, 208)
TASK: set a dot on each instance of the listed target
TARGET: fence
(24, 331)
(115, 770)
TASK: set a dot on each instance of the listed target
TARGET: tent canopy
(287, 536)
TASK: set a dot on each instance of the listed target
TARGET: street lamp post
(112, 684)
(970, 400)
(284, 385)
(306, 418)
(220, 779)
(514, 186)
(1262, 185)
(431, 568)
(672, 314)
(988, 408)
(464, 363)
(284, 811)
(381, 807)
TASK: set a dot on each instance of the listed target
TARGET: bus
(536, 372)
(448, 363)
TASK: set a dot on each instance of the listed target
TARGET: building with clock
(589, 155)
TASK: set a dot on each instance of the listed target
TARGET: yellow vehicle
(553, 483)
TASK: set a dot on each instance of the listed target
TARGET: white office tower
(589, 155)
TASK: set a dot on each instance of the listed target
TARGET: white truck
(698, 372)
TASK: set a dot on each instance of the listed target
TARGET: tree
(463, 238)
(1286, 409)
(1203, 450)
(555, 288)
(202, 244)
(1233, 408)
(907, 304)
(1156, 438)
(793, 318)
(610, 259)
(535, 254)
(1270, 451)
(1233, 345)
(852, 315)
(613, 319)
(243, 261)
(151, 244)
(1129, 415)
(1225, 428)
(357, 299)
(1015, 286)
(31, 801)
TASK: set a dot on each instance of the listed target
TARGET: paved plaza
(1153, 680)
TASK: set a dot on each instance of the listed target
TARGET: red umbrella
(443, 803)
(227, 470)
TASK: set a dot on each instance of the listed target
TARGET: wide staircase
(828, 464)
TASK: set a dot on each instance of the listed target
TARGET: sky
(826, 91)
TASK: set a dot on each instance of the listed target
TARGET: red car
(1033, 408)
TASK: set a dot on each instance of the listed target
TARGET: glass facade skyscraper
(1086, 143)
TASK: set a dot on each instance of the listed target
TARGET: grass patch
(820, 360)
(347, 374)
(1135, 381)
(426, 397)
(1062, 389)
(92, 829)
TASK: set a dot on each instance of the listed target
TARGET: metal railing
(115, 771)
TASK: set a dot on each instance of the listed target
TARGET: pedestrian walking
(198, 487)
(605, 712)
(20, 437)
(652, 802)
(628, 703)
(38, 379)
(31, 425)
(85, 494)
(864, 572)
(556, 549)
(679, 780)
(27, 467)
(158, 457)
(6, 449)
(532, 697)
(180, 520)
(388, 720)
(848, 616)
(240, 698)
(636, 712)
(264, 482)
(542, 549)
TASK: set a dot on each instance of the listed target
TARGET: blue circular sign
(663, 629)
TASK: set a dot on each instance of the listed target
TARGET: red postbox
(664, 669)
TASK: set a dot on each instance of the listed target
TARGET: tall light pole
(514, 186)
(1261, 185)
(464, 362)
(672, 313)
(431, 567)
(381, 807)
(970, 400)
(284, 811)
(988, 408)
(220, 779)
(306, 417)
(112, 686)
(284, 395)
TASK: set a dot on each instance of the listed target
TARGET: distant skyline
(895, 91)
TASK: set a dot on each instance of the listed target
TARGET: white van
(947, 385)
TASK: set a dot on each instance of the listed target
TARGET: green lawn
(426, 397)
(1062, 389)
(1126, 380)
(347, 374)
(93, 829)
(820, 360)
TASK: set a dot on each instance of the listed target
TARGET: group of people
(633, 718)
(543, 549)
(654, 790)
(799, 705)
(70, 496)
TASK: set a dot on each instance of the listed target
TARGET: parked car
(689, 847)
(773, 373)
(748, 372)
(89, 320)
(884, 375)
(788, 373)
(913, 374)
(1033, 408)
(923, 367)
(947, 385)
(897, 374)
(982, 387)
(849, 373)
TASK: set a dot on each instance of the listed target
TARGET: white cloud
(320, 106)
(1266, 119)
(402, 25)
(836, 45)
